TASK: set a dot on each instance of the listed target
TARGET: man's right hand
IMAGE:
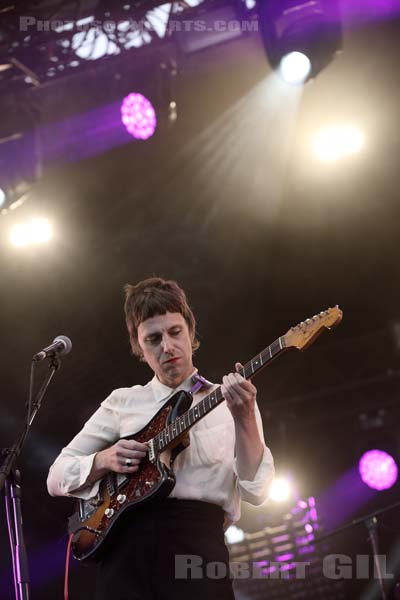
(123, 457)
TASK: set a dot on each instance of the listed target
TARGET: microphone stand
(10, 479)
(370, 521)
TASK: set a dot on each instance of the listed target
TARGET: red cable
(67, 566)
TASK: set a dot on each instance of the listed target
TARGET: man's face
(167, 348)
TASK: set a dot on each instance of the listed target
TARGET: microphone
(61, 345)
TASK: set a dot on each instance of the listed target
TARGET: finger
(246, 385)
(132, 454)
(230, 395)
(125, 469)
(225, 392)
(238, 366)
(237, 382)
(134, 445)
(233, 379)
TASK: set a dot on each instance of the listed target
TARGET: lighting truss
(49, 39)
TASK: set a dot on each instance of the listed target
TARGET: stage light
(138, 116)
(333, 143)
(310, 28)
(3, 197)
(234, 534)
(36, 231)
(295, 68)
(378, 469)
(280, 490)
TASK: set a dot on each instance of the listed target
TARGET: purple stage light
(378, 469)
(138, 116)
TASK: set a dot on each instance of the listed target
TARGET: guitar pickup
(152, 452)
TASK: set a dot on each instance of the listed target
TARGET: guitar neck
(186, 421)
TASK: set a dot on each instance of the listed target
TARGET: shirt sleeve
(256, 491)
(68, 475)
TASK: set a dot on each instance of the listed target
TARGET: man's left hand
(240, 395)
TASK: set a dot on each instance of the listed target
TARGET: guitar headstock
(304, 334)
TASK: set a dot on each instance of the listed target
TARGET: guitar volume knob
(109, 512)
(121, 498)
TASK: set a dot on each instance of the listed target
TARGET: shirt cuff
(70, 478)
(256, 491)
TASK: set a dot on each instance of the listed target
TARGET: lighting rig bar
(45, 40)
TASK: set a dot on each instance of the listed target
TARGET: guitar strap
(198, 383)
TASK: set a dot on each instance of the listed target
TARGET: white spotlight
(333, 143)
(234, 534)
(295, 67)
(19, 235)
(36, 231)
(3, 197)
(280, 490)
(41, 231)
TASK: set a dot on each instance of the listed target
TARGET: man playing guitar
(225, 462)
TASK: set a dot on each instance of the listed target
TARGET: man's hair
(151, 297)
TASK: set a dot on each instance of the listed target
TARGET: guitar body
(95, 518)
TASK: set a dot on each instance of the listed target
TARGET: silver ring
(128, 462)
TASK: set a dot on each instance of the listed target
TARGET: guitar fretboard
(183, 423)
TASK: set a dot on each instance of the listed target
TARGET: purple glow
(306, 550)
(300, 541)
(378, 469)
(308, 528)
(343, 499)
(369, 10)
(271, 569)
(138, 116)
(313, 514)
(285, 557)
(280, 538)
(261, 563)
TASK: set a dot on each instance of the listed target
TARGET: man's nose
(167, 344)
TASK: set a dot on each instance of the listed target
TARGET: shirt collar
(162, 392)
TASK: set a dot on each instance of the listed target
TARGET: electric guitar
(95, 518)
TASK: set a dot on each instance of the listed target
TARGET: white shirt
(206, 470)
